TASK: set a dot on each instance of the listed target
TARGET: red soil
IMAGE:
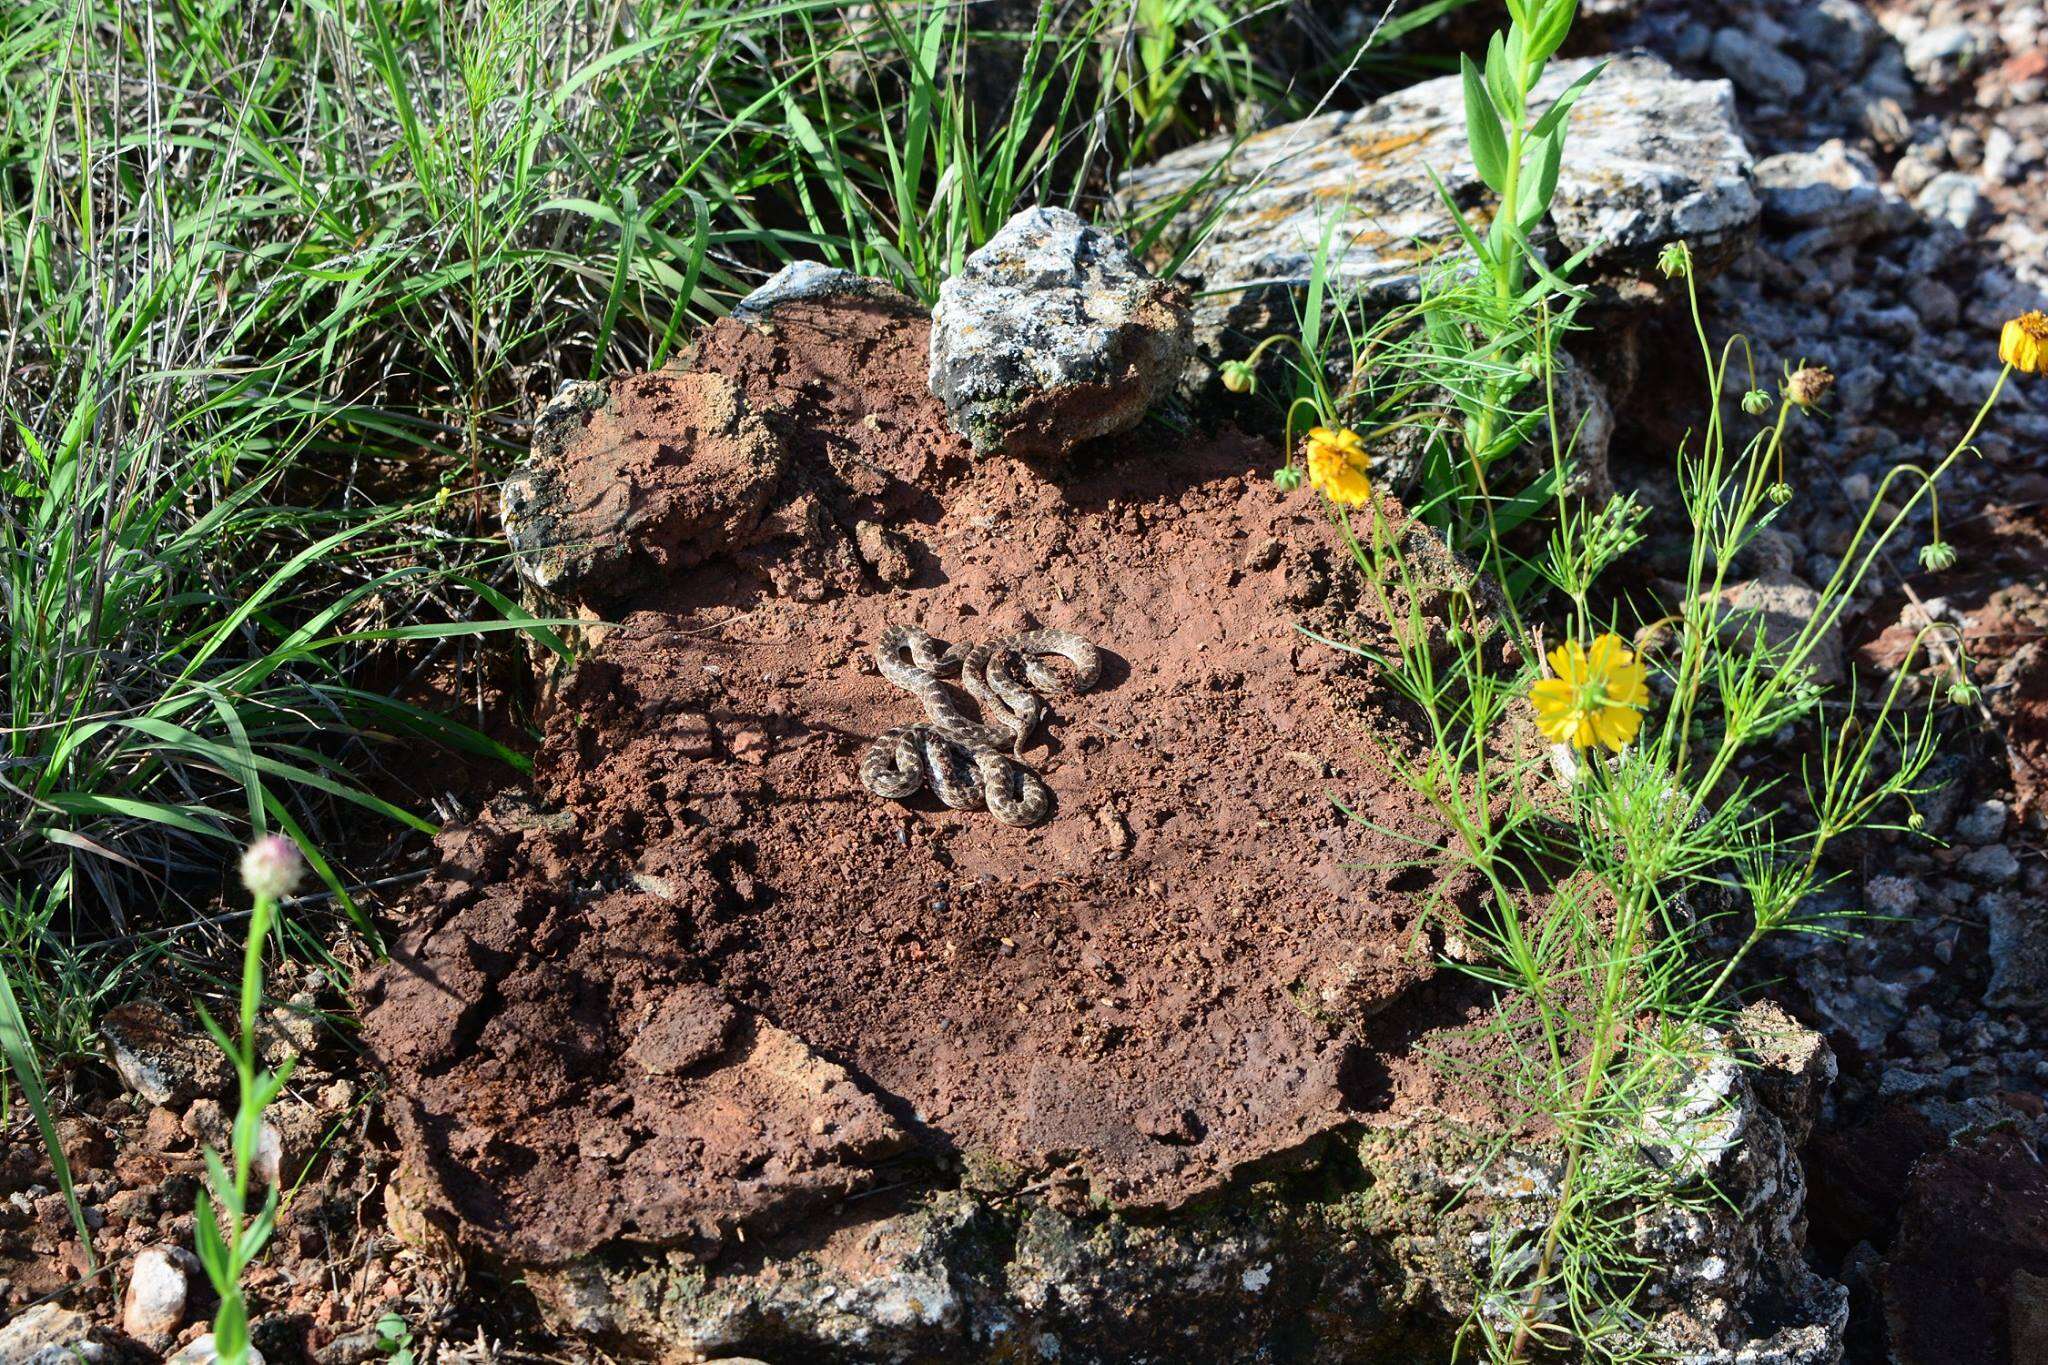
(718, 981)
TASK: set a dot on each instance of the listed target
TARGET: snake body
(963, 760)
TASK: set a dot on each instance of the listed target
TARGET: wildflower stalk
(231, 1237)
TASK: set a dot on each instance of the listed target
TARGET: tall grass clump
(1609, 777)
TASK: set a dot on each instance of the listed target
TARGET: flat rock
(163, 1057)
(651, 474)
(1053, 335)
(1652, 158)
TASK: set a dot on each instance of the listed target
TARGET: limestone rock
(200, 1351)
(1833, 191)
(600, 498)
(2019, 952)
(51, 1334)
(1653, 158)
(1053, 335)
(1778, 607)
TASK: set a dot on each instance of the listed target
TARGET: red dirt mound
(1178, 974)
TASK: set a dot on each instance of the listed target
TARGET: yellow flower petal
(2023, 343)
(1597, 696)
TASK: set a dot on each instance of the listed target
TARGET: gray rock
(1652, 158)
(1834, 188)
(2019, 953)
(1052, 335)
(153, 1308)
(1840, 33)
(1943, 54)
(1757, 67)
(51, 1334)
(162, 1057)
(812, 281)
(1934, 303)
(1779, 607)
(1983, 822)
(1952, 197)
(1993, 863)
(1898, 896)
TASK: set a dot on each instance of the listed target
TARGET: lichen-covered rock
(1653, 158)
(654, 472)
(1053, 335)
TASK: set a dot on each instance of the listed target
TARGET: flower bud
(1675, 260)
(1809, 384)
(272, 866)
(1780, 493)
(1963, 692)
(1239, 377)
(1756, 402)
(1287, 478)
(1938, 556)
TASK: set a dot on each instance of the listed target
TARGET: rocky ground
(856, 1081)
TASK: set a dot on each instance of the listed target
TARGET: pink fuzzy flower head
(272, 866)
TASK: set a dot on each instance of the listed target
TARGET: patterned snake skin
(963, 760)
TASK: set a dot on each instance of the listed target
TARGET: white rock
(154, 1307)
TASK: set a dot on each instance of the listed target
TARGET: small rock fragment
(154, 1306)
(1757, 67)
(813, 281)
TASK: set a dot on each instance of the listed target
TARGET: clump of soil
(712, 983)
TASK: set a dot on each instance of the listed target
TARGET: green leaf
(1482, 129)
(1555, 114)
(1538, 187)
(1546, 35)
(1500, 81)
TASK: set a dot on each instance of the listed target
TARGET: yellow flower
(2024, 343)
(1337, 465)
(1597, 696)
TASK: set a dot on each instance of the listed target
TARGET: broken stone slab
(600, 500)
(161, 1056)
(1053, 335)
(813, 282)
(1830, 196)
(1381, 1259)
(1653, 158)
(716, 1120)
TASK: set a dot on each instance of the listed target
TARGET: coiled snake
(961, 760)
